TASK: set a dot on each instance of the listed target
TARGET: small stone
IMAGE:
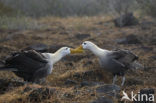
(130, 39)
(126, 20)
(134, 81)
(147, 49)
(153, 57)
(87, 83)
(108, 89)
(38, 47)
(70, 82)
(102, 100)
(92, 94)
(82, 36)
(146, 25)
(54, 48)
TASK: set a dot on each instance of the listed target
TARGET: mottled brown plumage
(116, 62)
(33, 66)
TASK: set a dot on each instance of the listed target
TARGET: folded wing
(26, 63)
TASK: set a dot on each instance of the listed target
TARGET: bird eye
(66, 48)
(84, 43)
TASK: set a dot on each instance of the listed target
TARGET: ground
(65, 83)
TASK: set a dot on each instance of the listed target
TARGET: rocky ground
(77, 78)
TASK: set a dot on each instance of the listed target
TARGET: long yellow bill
(77, 50)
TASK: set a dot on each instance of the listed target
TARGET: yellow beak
(77, 50)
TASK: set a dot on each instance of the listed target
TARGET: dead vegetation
(64, 85)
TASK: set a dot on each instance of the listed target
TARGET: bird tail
(4, 68)
(7, 69)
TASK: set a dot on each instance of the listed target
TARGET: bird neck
(98, 51)
(57, 56)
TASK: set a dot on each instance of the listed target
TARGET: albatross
(116, 62)
(33, 66)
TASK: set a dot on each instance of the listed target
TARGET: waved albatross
(117, 62)
(33, 66)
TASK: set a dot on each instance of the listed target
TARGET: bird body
(33, 66)
(117, 61)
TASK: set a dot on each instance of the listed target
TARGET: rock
(133, 81)
(55, 47)
(152, 39)
(108, 89)
(153, 57)
(6, 85)
(102, 100)
(130, 39)
(93, 94)
(147, 68)
(148, 92)
(125, 20)
(70, 82)
(144, 48)
(41, 94)
(147, 49)
(82, 36)
(38, 47)
(146, 25)
(89, 74)
(87, 83)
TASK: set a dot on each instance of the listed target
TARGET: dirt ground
(65, 82)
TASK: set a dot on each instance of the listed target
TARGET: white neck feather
(53, 57)
(98, 51)
(56, 56)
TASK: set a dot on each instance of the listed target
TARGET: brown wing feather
(26, 62)
(126, 57)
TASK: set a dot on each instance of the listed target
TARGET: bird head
(84, 45)
(66, 50)
(87, 45)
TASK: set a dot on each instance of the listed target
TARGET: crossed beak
(77, 50)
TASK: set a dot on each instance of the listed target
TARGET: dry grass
(20, 23)
(62, 31)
